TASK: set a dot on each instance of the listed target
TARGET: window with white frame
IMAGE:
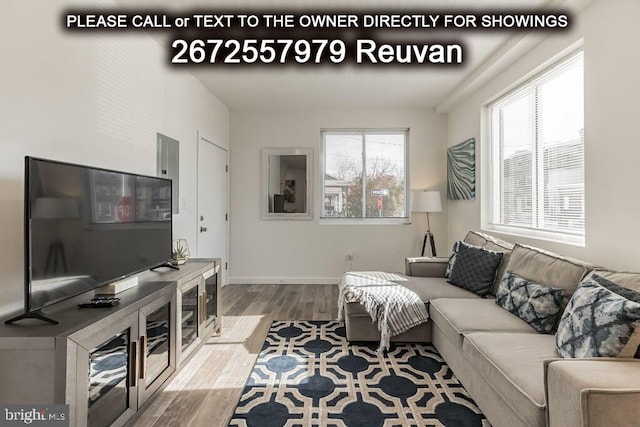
(364, 174)
(537, 156)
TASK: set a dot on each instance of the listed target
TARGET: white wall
(91, 99)
(307, 251)
(612, 151)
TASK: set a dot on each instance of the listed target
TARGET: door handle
(203, 229)
(133, 356)
(143, 355)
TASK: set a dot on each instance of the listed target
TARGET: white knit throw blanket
(395, 308)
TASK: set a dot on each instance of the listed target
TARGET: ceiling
(347, 86)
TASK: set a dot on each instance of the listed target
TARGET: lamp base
(429, 235)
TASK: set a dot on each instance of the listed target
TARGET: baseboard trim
(283, 280)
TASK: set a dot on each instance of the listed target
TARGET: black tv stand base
(166, 264)
(31, 315)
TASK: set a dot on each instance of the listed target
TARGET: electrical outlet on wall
(183, 204)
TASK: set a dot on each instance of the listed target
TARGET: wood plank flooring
(207, 389)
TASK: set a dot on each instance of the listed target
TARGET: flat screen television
(86, 227)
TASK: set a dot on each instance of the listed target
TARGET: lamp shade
(426, 201)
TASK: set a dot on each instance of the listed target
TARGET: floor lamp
(427, 201)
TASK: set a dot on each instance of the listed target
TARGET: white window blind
(537, 153)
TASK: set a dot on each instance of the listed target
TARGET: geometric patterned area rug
(307, 374)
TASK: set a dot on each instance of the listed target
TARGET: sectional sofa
(514, 373)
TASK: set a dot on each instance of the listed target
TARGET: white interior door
(212, 202)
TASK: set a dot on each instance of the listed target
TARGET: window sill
(549, 236)
(364, 221)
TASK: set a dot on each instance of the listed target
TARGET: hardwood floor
(207, 389)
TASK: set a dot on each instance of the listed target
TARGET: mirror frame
(264, 203)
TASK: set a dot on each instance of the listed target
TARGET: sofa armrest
(592, 392)
(425, 266)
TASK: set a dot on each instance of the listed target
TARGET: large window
(364, 174)
(537, 156)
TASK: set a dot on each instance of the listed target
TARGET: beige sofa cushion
(430, 288)
(456, 317)
(512, 364)
(548, 268)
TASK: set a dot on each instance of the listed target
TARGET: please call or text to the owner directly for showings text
(250, 38)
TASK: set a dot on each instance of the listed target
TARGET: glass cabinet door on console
(106, 373)
(211, 298)
(108, 380)
(157, 349)
(190, 315)
(198, 307)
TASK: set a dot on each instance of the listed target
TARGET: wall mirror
(287, 182)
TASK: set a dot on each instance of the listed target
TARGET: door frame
(200, 137)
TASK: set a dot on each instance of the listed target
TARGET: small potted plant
(180, 252)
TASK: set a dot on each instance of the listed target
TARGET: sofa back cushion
(491, 243)
(548, 268)
(487, 241)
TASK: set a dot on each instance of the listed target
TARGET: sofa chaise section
(426, 277)
(360, 327)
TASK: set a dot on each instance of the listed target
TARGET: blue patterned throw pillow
(632, 348)
(536, 304)
(475, 268)
(452, 259)
(597, 322)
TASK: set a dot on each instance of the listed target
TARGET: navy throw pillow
(475, 268)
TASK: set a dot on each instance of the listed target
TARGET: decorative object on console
(597, 322)
(536, 304)
(180, 251)
(461, 171)
(475, 268)
(427, 201)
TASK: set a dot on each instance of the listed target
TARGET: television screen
(86, 227)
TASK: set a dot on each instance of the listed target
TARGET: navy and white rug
(307, 374)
